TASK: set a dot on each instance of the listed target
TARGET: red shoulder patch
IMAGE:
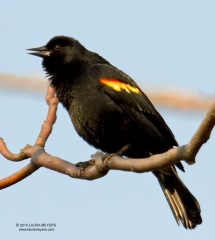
(119, 86)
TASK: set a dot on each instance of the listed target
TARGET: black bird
(109, 111)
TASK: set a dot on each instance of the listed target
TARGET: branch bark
(100, 163)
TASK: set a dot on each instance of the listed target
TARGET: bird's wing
(126, 93)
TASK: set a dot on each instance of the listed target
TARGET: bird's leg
(108, 156)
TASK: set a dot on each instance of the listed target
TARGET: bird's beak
(40, 51)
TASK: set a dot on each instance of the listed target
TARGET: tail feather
(183, 204)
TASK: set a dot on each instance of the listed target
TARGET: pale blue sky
(158, 43)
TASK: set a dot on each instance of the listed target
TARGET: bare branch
(9, 155)
(18, 176)
(202, 134)
(46, 129)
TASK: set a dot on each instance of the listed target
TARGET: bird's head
(59, 51)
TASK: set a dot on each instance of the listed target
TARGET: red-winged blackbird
(109, 111)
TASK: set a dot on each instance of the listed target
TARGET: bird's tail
(183, 204)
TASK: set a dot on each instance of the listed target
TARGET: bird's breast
(99, 120)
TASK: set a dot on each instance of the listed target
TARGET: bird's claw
(84, 165)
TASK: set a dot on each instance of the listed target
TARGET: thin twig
(18, 176)
(46, 129)
(202, 134)
(15, 157)
(28, 151)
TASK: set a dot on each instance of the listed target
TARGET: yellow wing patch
(119, 86)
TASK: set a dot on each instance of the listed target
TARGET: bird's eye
(57, 47)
